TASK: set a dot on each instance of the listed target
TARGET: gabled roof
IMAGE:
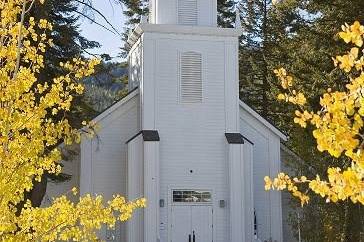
(262, 120)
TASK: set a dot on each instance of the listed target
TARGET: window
(187, 12)
(191, 196)
(191, 77)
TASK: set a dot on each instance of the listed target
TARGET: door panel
(202, 223)
(181, 223)
(191, 220)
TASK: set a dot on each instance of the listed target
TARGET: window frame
(173, 202)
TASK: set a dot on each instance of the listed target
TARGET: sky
(111, 43)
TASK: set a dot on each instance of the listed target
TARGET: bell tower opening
(183, 12)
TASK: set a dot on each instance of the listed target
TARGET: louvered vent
(187, 12)
(190, 77)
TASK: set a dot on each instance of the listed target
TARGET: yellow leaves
(346, 62)
(268, 183)
(281, 96)
(338, 127)
(43, 24)
(286, 81)
(293, 96)
(283, 181)
(300, 99)
(302, 118)
(346, 36)
(353, 33)
(65, 220)
(30, 134)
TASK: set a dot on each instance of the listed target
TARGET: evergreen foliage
(106, 86)
(68, 43)
(226, 13)
(304, 38)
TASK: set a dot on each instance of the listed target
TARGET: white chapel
(182, 138)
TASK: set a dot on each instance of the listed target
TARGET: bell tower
(183, 12)
(186, 70)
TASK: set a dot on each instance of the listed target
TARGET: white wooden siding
(192, 135)
(266, 162)
(247, 172)
(136, 187)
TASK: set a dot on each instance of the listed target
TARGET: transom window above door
(191, 196)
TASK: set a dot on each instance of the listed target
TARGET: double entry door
(191, 223)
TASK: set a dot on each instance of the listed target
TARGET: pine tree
(304, 41)
(256, 79)
(226, 13)
(68, 43)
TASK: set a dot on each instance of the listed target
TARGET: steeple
(183, 12)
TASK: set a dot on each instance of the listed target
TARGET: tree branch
(99, 13)
(93, 21)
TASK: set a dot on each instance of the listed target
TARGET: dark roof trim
(234, 138)
(148, 135)
(249, 141)
(139, 133)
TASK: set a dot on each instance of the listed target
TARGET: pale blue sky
(110, 42)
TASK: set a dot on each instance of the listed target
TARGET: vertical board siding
(135, 186)
(192, 134)
(248, 203)
(265, 162)
(109, 153)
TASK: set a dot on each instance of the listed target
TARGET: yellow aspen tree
(31, 126)
(337, 127)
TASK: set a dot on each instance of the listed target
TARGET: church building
(182, 138)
